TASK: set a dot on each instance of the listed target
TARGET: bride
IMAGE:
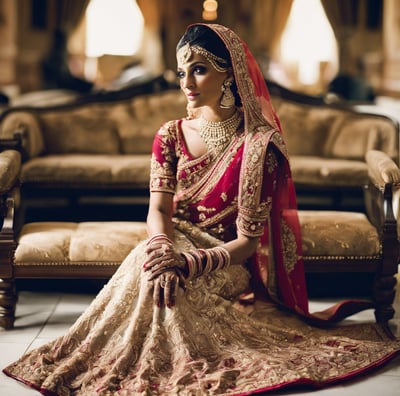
(214, 301)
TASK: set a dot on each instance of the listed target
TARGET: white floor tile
(10, 387)
(45, 316)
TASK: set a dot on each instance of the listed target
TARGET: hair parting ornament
(185, 53)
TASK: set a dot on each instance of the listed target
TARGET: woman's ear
(230, 75)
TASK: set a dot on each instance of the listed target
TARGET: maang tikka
(227, 99)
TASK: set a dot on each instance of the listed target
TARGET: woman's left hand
(161, 258)
(166, 288)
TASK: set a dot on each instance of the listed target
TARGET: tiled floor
(42, 316)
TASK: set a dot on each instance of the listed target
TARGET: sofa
(333, 242)
(327, 143)
(97, 148)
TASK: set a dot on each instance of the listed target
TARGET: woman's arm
(241, 248)
(159, 217)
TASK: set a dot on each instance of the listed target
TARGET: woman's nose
(187, 82)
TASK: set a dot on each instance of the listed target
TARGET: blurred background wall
(302, 44)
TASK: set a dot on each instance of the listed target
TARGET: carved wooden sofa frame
(95, 249)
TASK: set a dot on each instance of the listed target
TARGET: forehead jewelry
(185, 53)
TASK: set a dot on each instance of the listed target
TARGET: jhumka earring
(227, 99)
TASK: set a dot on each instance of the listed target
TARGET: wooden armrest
(382, 169)
(10, 167)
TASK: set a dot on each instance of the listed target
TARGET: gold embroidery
(289, 246)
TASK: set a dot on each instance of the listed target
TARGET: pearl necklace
(217, 135)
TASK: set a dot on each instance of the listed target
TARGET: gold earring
(227, 99)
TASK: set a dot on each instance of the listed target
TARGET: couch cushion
(150, 113)
(329, 172)
(80, 133)
(338, 234)
(65, 243)
(305, 127)
(352, 136)
(324, 234)
(89, 170)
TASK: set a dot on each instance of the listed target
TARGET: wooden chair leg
(385, 282)
(8, 302)
(384, 294)
(8, 294)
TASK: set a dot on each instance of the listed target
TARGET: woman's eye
(199, 70)
(180, 74)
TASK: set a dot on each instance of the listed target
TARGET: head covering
(250, 82)
(277, 266)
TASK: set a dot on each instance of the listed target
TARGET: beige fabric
(10, 165)
(320, 171)
(126, 345)
(305, 128)
(326, 145)
(104, 128)
(126, 126)
(338, 234)
(26, 123)
(382, 168)
(352, 136)
(86, 133)
(133, 170)
(64, 243)
(324, 233)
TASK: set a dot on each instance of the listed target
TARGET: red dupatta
(277, 265)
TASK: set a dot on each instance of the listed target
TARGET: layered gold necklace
(217, 134)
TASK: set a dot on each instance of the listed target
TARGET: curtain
(56, 70)
(151, 49)
(69, 14)
(269, 21)
(342, 15)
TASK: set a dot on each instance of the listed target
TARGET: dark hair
(206, 38)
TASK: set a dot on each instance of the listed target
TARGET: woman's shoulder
(169, 128)
(271, 138)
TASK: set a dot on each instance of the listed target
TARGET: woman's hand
(166, 288)
(161, 258)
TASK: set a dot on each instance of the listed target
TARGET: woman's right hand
(166, 288)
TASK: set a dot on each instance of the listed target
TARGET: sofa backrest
(128, 126)
(335, 132)
(115, 127)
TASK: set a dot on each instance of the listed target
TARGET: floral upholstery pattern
(69, 244)
(98, 142)
(338, 234)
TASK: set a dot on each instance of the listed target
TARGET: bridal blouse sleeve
(256, 195)
(164, 160)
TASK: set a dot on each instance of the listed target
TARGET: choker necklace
(217, 134)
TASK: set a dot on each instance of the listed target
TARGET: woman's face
(200, 82)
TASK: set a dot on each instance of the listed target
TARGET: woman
(223, 238)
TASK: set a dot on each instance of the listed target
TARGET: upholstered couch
(327, 144)
(333, 241)
(99, 146)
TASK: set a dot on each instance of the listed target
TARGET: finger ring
(163, 283)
